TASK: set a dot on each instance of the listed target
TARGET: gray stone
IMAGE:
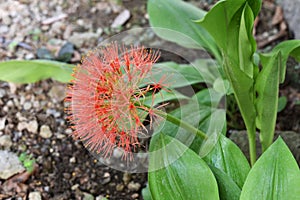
(121, 19)
(35, 196)
(58, 27)
(45, 132)
(5, 141)
(57, 92)
(21, 126)
(32, 126)
(291, 10)
(27, 105)
(9, 164)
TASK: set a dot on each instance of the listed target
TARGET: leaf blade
(22, 71)
(176, 179)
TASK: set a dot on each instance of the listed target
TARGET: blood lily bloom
(106, 98)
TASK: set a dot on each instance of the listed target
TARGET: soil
(65, 169)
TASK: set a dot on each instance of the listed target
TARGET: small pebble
(126, 178)
(119, 187)
(132, 186)
(34, 196)
(32, 126)
(106, 180)
(45, 132)
(21, 126)
(29, 56)
(5, 141)
(74, 187)
(106, 175)
(2, 123)
(72, 160)
(27, 105)
(135, 196)
(121, 19)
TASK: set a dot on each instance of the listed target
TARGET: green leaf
(21, 71)
(255, 6)
(228, 189)
(228, 158)
(275, 175)
(282, 101)
(173, 20)
(222, 13)
(287, 48)
(176, 172)
(208, 97)
(163, 96)
(179, 75)
(267, 88)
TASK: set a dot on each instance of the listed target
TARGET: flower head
(106, 98)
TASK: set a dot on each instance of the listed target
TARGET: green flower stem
(181, 124)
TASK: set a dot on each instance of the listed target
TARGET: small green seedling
(27, 161)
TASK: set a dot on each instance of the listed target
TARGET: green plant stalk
(244, 98)
(181, 124)
(252, 145)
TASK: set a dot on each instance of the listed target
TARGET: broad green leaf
(176, 172)
(29, 71)
(275, 175)
(267, 88)
(228, 158)
(173, 20)
(217, 20)
(247, 43)
(178, 75)
(287, 48)
(228, 189)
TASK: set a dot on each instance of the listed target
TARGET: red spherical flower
(106, 98)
